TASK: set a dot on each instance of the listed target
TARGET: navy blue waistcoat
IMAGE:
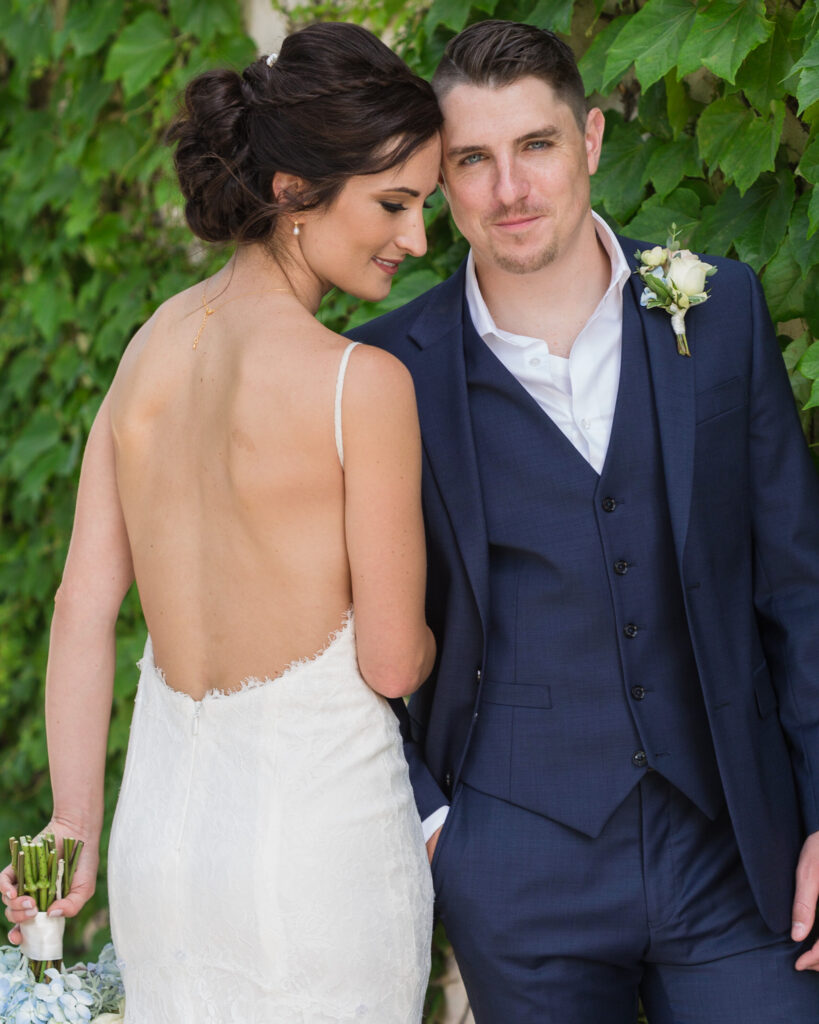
(590, 678)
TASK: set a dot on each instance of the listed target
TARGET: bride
(260, 479)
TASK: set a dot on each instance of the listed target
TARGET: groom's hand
(805, 901)
(432, 842)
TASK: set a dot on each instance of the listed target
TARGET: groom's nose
(511, 181)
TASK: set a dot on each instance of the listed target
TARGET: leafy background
(712, 110)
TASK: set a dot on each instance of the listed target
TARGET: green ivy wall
(712, 110)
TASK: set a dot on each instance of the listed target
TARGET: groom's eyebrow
(551, 131)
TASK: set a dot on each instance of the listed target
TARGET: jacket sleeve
(784, 496)
(428, 794)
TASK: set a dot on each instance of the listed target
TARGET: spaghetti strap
(342, 370)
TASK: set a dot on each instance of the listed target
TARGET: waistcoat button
(621, 567)
(630, 630)
(609, 504)
(639, 759)
(638, 692)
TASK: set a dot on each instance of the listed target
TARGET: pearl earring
(296, 229)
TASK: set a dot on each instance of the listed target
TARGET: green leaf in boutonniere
(674, 280)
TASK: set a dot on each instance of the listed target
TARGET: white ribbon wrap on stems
(43, 937)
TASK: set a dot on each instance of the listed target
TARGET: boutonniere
(675, 281)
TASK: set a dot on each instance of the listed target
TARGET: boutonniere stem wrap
(674, 280)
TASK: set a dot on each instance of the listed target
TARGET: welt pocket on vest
(517, 695)
(731, 394)
(766, 700)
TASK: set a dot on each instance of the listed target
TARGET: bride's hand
(21, 907)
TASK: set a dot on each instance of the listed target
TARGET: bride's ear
(287, 188)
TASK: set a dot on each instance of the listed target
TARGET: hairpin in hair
(271, 60)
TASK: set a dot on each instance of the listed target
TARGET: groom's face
(515, 170)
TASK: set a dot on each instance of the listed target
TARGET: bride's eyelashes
(397, 207)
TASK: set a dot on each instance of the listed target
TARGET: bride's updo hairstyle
(335, 103)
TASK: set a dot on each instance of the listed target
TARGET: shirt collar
(479, 311)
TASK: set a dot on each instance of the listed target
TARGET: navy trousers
(552, 927)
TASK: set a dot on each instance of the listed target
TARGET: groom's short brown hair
(497, 53)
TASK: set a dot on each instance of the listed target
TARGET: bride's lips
(388, 266)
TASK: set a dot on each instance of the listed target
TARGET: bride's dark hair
(335, 103)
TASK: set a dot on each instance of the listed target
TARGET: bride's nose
(412, 238)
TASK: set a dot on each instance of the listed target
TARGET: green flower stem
(42, 876)
(30, 870)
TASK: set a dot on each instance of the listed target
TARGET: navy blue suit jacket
(743, 496)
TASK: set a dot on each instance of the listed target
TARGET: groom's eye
(473, 158)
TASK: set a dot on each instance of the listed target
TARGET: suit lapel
(437, 366)
(673, 380)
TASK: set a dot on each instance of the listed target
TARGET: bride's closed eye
(397, 207)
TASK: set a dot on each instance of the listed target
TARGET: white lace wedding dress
(266, 863)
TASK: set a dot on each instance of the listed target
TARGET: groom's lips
(517, 223)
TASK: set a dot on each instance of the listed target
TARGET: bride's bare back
(231, 487)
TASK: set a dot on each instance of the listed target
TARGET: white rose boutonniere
(675, 280)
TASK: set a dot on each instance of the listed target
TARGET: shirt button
(609, 504)
(585, 424)
(638, 692)
(534, 361)
(630, 630)
(621, 567)
(639, 759)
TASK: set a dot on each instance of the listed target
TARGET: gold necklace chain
(209, 310)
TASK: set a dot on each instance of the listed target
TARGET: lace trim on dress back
(146, 662)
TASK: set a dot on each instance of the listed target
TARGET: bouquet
(45, 877)
(84, 993)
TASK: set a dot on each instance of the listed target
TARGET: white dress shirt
(578, 393)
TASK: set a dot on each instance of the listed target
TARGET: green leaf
(657, 214)
(671, 162)
(90, 24)
(811, 312)
(809, 363)
(813, 212)
(651, 39)
(809, 164)
(805, 248)
(205, 19)
(140, 53)
(783, 284)
(556, 15)
(813, 401)
(593, 61)
(40, 433)
(618, 183)
(738, 141)
(680, 107)
(807, 89)
(763, 71)
(806, 21)
(453, 14)
(722, 35)
(754, 224)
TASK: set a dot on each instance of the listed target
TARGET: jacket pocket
(731, 394)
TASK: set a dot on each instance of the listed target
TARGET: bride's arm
(385, 530)
(80, 672)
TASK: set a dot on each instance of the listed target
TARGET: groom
(621, 736)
